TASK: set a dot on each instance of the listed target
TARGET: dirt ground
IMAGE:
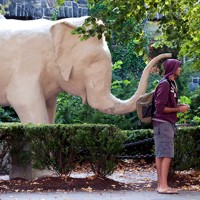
(185, 180)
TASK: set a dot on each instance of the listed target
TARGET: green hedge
(62, 147)
(187, 148)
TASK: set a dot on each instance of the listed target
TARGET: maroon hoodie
(166, 94)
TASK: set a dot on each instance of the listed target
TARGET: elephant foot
(29, 173)
(21, 171)
(37, 173)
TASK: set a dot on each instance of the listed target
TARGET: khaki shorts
(164, 140)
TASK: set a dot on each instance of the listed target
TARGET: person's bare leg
(162, 166)
(165, 165)
(158, 169)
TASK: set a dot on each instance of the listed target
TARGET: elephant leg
(29, 104)
(17, 168)
(51, 108)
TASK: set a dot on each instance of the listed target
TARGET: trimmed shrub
(187, 148)
(54, 147)
(62, 147)
(101, 145)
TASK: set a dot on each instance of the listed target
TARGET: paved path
(120, 195)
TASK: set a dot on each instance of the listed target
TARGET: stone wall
(35, 9)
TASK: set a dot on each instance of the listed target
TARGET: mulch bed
(60, 184)
(187, 180)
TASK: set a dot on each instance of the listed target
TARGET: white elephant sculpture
(41, 58)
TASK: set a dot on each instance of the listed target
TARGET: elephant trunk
(126, 106)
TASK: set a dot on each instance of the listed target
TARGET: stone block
(62, 12)
(38, 13)
(75, 9)
(70, 12)
(44, 8)
(48, 12)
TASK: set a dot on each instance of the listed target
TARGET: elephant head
(88, 63)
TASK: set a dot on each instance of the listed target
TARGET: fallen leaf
(89, 189)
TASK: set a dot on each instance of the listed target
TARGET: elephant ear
(63, 42)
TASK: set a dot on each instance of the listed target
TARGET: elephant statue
(41, 58)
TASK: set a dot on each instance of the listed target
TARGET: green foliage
(184, 117)
(70, 109)
(115, 16)
(192, 116)
(138, 134)
(179, 25)
(8, 115)
(132, 64)
(187, 149)
(3, 7)
(60, 2)
(195, 107)
(184, 80)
